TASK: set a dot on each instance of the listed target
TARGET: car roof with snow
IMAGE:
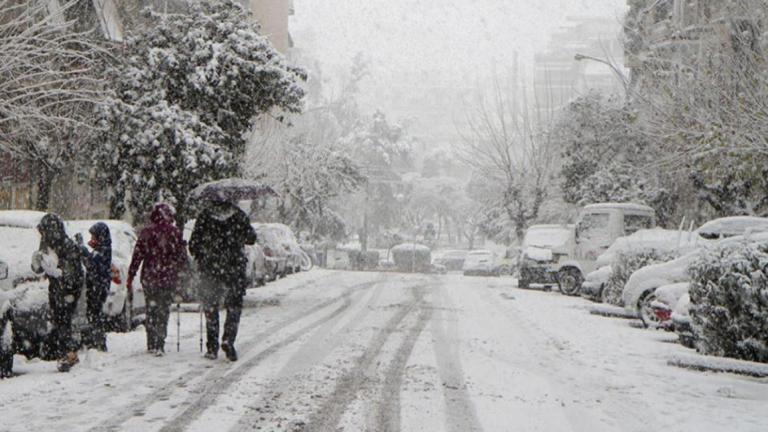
(733, 226)
(620, 206)
(20, 218)
(480, 252)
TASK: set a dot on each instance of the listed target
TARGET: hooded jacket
(54, 240)
(159, 251)
(217, 242)
(98, 263)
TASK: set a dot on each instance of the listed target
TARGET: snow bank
(719, 364)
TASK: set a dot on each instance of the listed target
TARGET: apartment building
(559, 76)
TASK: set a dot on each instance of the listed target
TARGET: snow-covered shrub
(626, 263)
(729, 301)
(410, 257)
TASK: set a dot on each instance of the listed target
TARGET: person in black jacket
(60, 259)
(98, 266)
(220, 234)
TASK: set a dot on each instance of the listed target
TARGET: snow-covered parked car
(537, 259)
(639, 293)
(598, 226)
(657, 240)
(480, 262)
(452, 260)
(276, 255)
(288, 239)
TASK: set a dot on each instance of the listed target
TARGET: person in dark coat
(217, 244)
(98, 266)
(60, 259)
(161, 253)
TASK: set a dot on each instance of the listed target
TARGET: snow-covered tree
(706, 107)
(189, 90)
(608, 157)
(49, 84)
(508, 146)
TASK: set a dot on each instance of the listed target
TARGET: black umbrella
(233, 190)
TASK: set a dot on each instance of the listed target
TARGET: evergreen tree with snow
(189, 89)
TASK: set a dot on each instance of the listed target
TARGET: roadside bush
(626, 263)
(409, 257)
(729, 301)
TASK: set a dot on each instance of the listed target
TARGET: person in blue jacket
(98, 266)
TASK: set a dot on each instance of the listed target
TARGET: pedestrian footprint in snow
(60, 259)
(217, 244)
(161, 253)
(98, 266)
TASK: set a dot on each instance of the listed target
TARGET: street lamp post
(622, 77)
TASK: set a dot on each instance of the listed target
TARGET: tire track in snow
(313, 352)
(327, 417)
(460, 411)
(387, 413)
(163, 393)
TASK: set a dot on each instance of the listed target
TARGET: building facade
(559, 76)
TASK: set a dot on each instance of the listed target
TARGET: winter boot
(211, 355)
(159, 352)
(65, 363)
(229, 351)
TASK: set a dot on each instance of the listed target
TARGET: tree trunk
(44, 183)
(116, 203)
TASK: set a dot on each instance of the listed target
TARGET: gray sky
(434, 42)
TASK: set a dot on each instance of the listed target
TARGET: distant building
(559, 77)
(273, 16)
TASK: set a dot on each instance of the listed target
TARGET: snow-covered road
(327, 351)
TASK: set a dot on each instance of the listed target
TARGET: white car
(639, 293)
(480, 262)
(656, 239)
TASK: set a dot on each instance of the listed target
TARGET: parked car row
(658, 292)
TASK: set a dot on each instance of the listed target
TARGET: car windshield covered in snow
(546, 236)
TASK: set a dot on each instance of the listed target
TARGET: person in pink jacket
(161, 253)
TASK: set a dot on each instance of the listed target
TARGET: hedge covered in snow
(729, 301)
(626, 263)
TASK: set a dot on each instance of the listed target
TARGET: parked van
(597, 227)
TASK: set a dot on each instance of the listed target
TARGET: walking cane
(201, 327)
(178, 327)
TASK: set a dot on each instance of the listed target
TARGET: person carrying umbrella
(221, 231)
(160, 251)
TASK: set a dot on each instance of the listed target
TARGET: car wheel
(523, 283)
(647, 315)
(569, 280)
(504, 271)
